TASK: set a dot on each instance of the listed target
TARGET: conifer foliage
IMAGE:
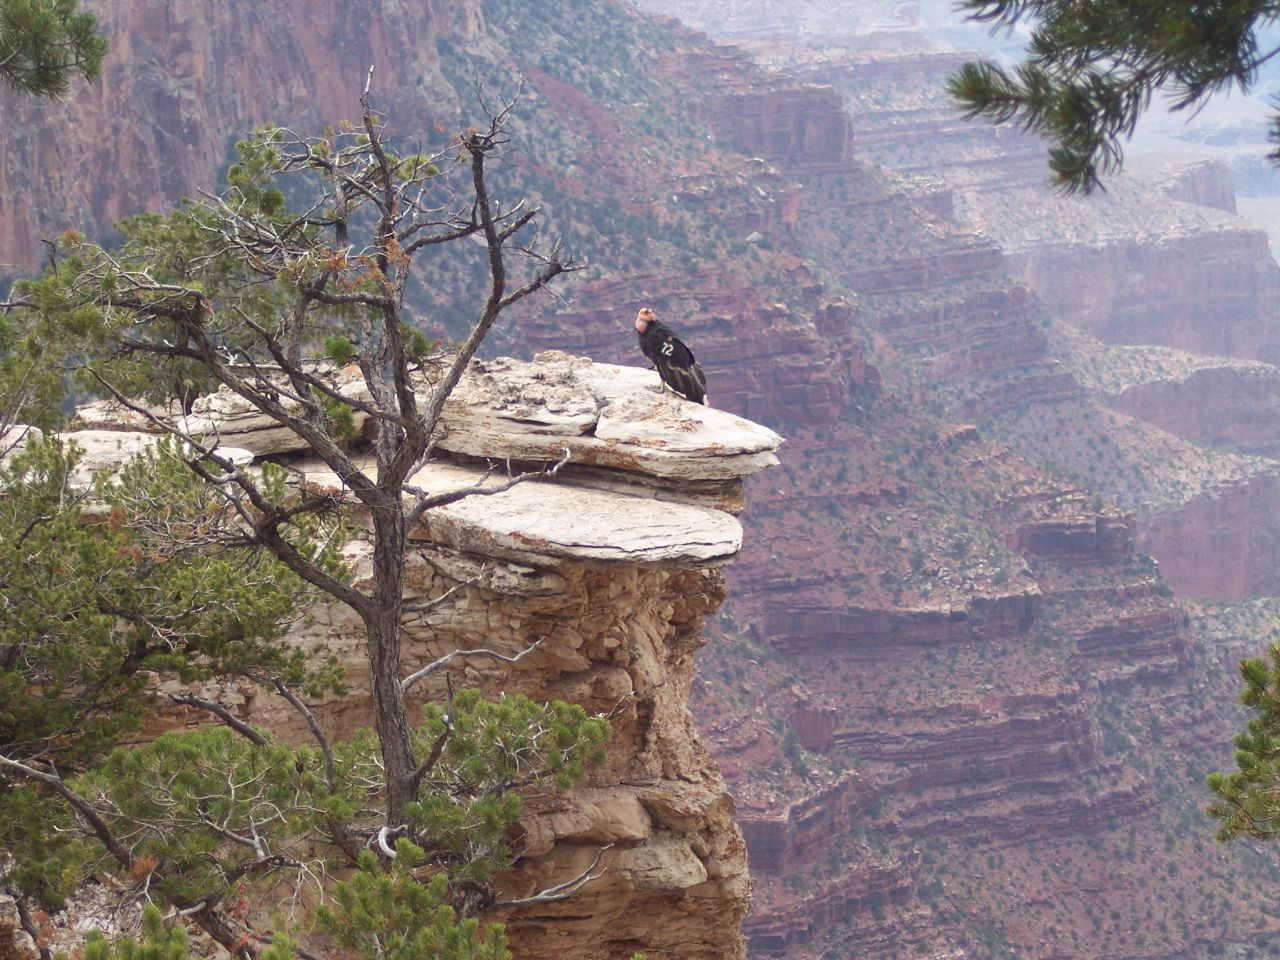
(1247, 800)
(91, 608)
(1091, 69)
(45, 43)
(287, 290)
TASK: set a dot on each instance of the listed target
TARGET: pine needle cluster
(1091, 70)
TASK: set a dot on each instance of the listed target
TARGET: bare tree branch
(442, 741)
(424, 501)
(214, 922)
(561, 891)
(220, 711)
(408, 682)
(435, 603)
(311, 428)
(314, 726)
(265, 525)
(303, 378)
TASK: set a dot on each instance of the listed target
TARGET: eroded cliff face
(1158, 262)
(1158, 258)
(948, 664)
(183, 80)
(1221, 403)
(614, 566)
(948, 706)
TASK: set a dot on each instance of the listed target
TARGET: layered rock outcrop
(1208, 289)
(612, 565)
(1190, 179)
(1158, 259)
(1223, 403)
(1192, 540)
(803, 124)
(991, 713)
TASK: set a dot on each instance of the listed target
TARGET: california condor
(674, 360)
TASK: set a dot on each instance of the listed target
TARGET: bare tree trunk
(383, 626)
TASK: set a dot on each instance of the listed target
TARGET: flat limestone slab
(605, 415)
(110, 450)
(545, 523)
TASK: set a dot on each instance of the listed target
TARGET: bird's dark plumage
(676, 365)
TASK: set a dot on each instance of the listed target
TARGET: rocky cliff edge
(612, 563)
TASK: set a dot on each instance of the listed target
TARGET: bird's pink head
(643, 319)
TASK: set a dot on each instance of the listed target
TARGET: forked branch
(426, 501)
(408, 682)
(561, 891)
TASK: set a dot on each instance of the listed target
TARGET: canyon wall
(183, 80)
(960, 711)
(1156, 259)
(954, 661)
(1210, 291)
(1224, 404)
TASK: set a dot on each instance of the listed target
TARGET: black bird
(674, 360)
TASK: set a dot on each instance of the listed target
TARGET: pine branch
(82, 806)
(314, 726)
(225, 715)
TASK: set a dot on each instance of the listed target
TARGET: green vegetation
(91, 610)
(1248, 799)
(1092, 69)
(44, 43)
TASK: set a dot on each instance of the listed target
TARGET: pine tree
(1092, 69)
(283, 308)
(160, 941)
(45, 43)
(91, 609)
